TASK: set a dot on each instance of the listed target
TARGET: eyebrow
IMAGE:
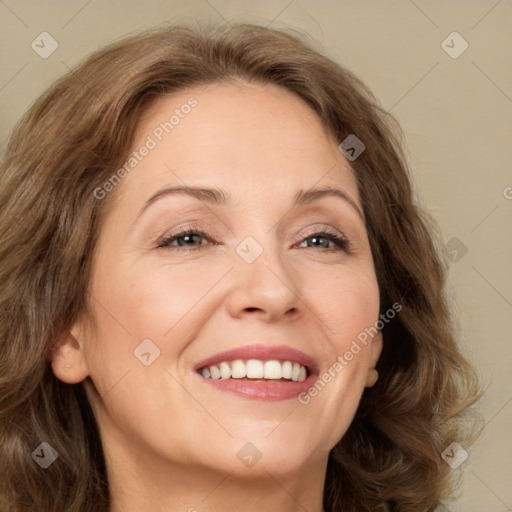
(213, 195)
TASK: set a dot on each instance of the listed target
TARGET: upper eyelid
(315, 207)
(200, 226)
(325, 215)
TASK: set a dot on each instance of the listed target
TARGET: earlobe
(372, 377)
(67, 359)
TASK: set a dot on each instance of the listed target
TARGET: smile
(259, 372)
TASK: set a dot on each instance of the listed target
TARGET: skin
(170, 439)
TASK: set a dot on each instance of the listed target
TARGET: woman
(218, 292)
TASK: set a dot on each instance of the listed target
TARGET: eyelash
(341, 242)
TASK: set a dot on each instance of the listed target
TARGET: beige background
(457, 118)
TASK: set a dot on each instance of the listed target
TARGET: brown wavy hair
(70, 142)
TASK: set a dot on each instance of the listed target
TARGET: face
(180, 278)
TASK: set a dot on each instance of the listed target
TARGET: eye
(185, 238)
(340, 242)
(191, 237)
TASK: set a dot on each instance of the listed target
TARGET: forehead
(257, 139)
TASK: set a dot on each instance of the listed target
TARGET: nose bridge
(264, 281)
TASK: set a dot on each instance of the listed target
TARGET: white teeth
(272, 370)
(225, 371)
(238, 370)
(255, 369)
(295, 371)
(287, 370)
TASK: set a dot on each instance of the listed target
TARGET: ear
(376, 349)
(68, 358)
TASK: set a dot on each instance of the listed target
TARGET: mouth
(259, 372)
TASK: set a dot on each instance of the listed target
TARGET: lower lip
(263, 390)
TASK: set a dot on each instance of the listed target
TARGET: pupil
(315, 239)
(188, 238)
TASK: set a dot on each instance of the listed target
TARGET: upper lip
(262, 353)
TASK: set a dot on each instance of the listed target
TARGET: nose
(267, 288)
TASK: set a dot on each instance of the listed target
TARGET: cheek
(348, 301)
(149, 300)
(349, 309)
(133, 304)
(162, 297)
(354, 312)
